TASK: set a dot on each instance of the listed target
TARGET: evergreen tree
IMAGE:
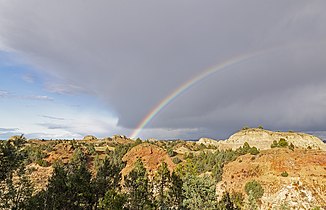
(15, 195)
(137, 185)
(176, 197)
(97, 162)
(226, 203)
(107, 179)
(57, 194)
(113, 200)
(199, 192)
(70, 186)
(11, 156)
(162, 182)
(252, 203)
(80, 189)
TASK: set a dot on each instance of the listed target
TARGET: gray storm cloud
(132, 54)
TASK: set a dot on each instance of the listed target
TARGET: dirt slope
(305, 185)
(151, 155)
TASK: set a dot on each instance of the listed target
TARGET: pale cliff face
(262, 139)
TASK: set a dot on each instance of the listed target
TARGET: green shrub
(176, 160)
(245, 149)
(245, 127)
(42, 163)
(284, 174)
(274, 144)
(254, 188)
(254, 151)
(137, 142)
(35, 155)
(189, 155)
(170, 152)
(91, 149)
(283, 143)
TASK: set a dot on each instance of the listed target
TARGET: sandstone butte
(262, 139)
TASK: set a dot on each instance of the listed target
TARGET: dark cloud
(320, 134)
(132, 55)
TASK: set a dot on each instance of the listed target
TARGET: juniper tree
(137, 186)
(15, 193)
(106, 180)
(162, 182)
(175, 193)
(199, 192)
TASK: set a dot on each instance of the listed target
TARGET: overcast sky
(71, 68)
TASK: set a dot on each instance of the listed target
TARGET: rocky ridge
(262, 139)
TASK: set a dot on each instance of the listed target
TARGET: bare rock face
(107, 139)
(119, 137)
(152, 140)
(262, 139)
(208, 141)
(89, 138)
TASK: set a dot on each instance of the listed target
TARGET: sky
(73, 68)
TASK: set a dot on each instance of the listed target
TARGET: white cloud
(4, 93)
(28, 78)
(53, 118)
(8, 129)
(37, 97)
(63, 88)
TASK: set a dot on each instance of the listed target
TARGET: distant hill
(262, 139)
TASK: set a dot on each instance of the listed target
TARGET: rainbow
(208, 72)
(167, 100)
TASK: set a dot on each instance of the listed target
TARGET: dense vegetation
(74, 185)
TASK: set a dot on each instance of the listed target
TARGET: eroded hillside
(295, 178)
(289, 167)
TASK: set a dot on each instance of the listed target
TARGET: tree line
(192, 185)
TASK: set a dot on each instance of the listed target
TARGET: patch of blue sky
(29, 105)
(12, 79)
